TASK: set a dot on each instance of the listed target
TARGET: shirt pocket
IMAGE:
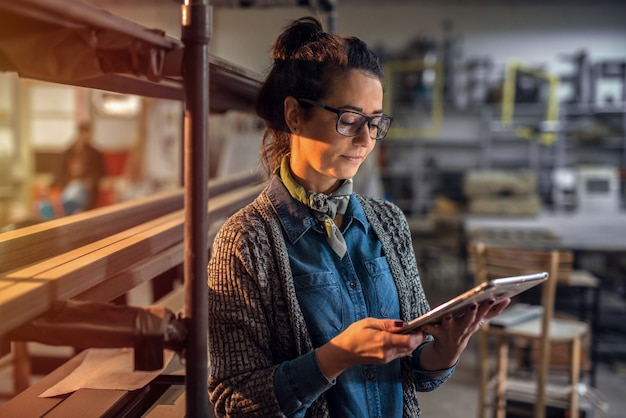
(321, 301)
(384, 287)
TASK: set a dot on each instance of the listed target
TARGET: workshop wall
(532, 33)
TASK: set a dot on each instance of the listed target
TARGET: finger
(498, 308)
(432, 329)
(470, 314)
(407, 343)
(503, 304)
(392, 325)
(485, 306)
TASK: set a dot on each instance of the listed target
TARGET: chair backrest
(490, 261)
(495, 260)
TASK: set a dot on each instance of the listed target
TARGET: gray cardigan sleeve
(241, 365)
(255, 322)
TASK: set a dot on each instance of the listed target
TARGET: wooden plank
(159, 263)
(87, 403)
(29, 404)
(31, 270)
(73, 278)
(142, 272)
(61, 235)
(19, 276)
(137, 274)
(58, 236)
(100, 270)
(38, 287)
(229, 203)
(34, 295)
(81, 403)
(172, 410)
(5, 284)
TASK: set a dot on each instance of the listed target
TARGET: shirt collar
(296, 219)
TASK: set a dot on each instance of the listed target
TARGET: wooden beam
(132, 255)
(51, 238)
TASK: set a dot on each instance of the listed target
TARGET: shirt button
(370, 375)
(353, 285)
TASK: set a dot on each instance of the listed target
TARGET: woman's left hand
(452, 334)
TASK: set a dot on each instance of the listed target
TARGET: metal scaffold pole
(195, 36)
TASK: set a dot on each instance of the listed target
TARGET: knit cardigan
(255, 321)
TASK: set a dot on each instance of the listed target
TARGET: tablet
(498, 289)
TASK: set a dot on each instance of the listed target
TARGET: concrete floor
(458, 397)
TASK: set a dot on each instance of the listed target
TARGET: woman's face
(320, 156)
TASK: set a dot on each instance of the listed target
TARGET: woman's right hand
(368, 341)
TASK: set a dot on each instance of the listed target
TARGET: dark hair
(306, 62)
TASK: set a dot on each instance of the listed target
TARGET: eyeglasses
(350, 123)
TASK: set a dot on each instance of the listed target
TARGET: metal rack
(125, 57)
(488, 145)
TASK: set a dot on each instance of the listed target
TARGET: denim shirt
(333, 293)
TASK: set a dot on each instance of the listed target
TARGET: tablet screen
(498, 289)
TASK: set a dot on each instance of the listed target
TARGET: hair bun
(301, 32)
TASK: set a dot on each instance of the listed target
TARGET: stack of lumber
(495, 192)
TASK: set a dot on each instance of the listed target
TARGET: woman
(310, 283)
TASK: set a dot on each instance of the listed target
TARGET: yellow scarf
(324, 207)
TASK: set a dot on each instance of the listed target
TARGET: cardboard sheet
(106, 368)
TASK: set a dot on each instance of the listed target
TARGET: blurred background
(532, 87)
(503, 109)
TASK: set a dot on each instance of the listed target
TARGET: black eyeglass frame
(366, 119)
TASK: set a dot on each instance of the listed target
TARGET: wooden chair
(491, 261)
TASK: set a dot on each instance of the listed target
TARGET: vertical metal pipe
(195, 36)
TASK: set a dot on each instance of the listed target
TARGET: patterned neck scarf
(323, 207)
